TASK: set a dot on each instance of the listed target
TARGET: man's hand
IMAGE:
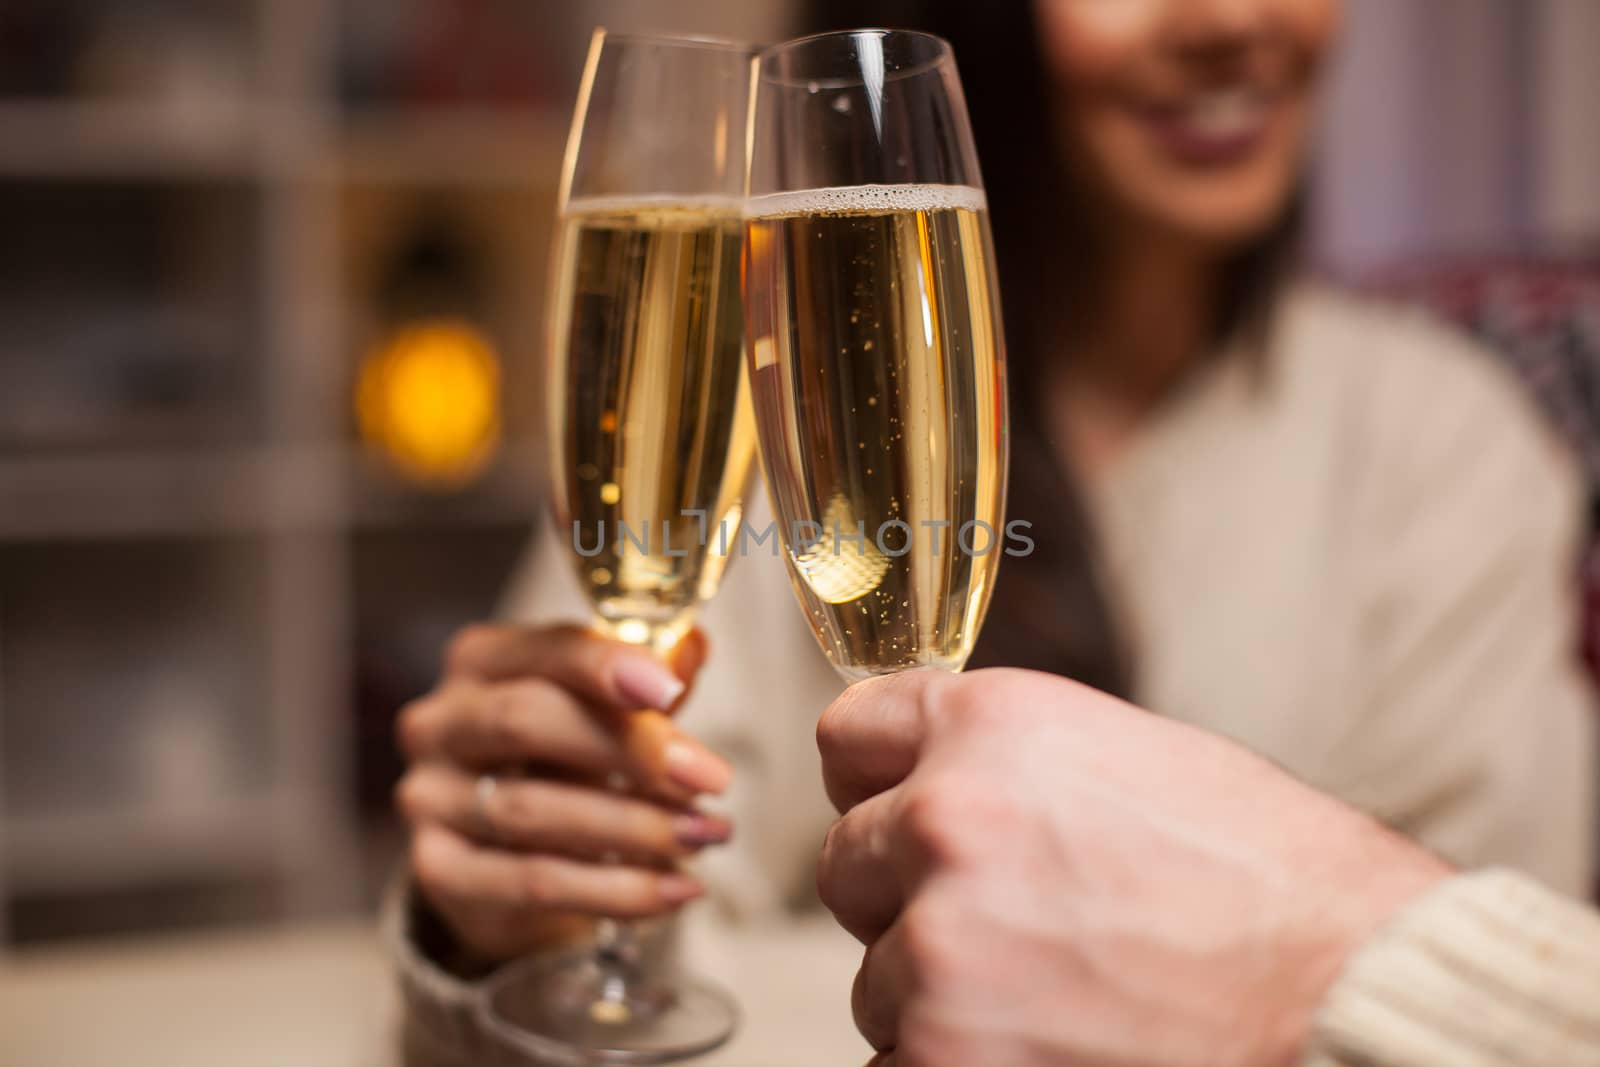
(1044, 875)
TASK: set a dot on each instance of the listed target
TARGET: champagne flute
(652, 443)
(877, 363)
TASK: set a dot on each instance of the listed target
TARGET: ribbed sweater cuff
(1486, 970)
(438, 1025)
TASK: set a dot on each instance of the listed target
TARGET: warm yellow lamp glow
(428, 398)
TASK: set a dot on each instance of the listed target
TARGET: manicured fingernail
(695, 830)
(696, 768)
(647, 684)
(678, 888)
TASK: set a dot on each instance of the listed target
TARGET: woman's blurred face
(1190, 116)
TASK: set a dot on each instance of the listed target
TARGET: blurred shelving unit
(202, 570)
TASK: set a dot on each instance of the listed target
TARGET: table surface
(313, 995)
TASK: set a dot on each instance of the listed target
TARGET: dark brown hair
(1050, 610)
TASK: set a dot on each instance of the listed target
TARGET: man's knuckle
(831, 727)
(925, 1039)
(928, 941)
(964, 701)
(938, 818)
(860, 1001)
(829, 887)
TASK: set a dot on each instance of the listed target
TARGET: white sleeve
(1473, 633)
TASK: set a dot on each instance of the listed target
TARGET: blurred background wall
(269, 338)
(1462, 126)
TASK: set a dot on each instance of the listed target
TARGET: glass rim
(943, 53)
(678, 40)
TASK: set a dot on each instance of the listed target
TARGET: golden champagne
(877, 369)
(651, 430)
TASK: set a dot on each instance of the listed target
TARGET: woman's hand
(516, 839)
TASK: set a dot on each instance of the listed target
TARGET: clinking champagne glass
(873, 335)
(652, 443)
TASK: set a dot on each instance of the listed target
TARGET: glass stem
(616, 948)
(616, 951)
(617, 958)
(617, 941)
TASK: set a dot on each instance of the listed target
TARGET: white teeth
(1225, 114)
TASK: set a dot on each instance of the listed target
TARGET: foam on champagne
(866, 200)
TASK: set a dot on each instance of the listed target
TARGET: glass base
(596, 1008)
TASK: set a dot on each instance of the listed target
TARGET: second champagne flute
(876, 356)
(651, 444)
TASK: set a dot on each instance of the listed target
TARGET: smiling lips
(1217, 128)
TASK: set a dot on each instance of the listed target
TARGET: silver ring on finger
(483, 792)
